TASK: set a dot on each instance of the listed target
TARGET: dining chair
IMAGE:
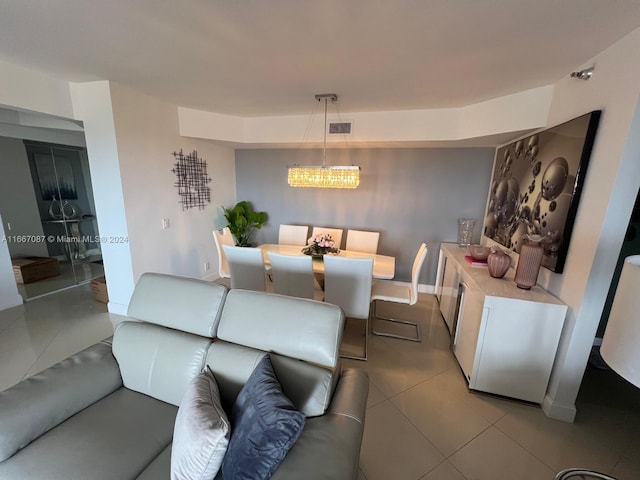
(361, 241)
(246, 266)
(293, 235)
(387, 291)
(223, 237)
(347, 283)
(336, 234)
(293, 275)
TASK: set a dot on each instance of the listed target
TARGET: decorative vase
(465, 231)
(529, 262)
(55, 209)
(68, 210)
(498, 263)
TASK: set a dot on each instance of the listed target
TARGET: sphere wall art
(536, 186)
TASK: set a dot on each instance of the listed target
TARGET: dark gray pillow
(265, 425)
(201, 432)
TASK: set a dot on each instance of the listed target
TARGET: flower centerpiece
(319, 245)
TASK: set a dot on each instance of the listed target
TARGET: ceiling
(257, 57)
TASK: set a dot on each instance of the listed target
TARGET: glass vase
(465, 231)
(529, 263)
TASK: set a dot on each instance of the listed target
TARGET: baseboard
(422, 288)
(564, 413)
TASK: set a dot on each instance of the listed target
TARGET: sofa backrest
(160, 361)
(160, 355)
(303, 337)
(185, 304)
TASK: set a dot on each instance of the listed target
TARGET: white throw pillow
(201, 432)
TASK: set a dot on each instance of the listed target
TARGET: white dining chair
(293, 235)
(347, 283)
(387, 291)
(336, 234)
(361, 241)
(246, 266)
(293, 275)
(223, 237)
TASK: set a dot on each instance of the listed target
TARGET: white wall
(147, 134)
(9, 296)
(18, 201)
(512, 113)
(30, 90)
(610, 189)
(92, 104)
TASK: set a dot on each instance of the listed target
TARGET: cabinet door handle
(462, 287)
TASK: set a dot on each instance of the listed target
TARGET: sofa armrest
(45, 400)
(329, 446)
(350, 396)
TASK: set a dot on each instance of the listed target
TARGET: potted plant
(243, 221)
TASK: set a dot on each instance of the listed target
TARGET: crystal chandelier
(323, 176)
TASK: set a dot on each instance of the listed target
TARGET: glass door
(64, 197)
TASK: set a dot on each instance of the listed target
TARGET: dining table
(384, 266)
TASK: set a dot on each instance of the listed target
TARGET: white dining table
(384, 266)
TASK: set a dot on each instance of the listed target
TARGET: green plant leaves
(243, 222)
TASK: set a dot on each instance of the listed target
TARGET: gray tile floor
(422, 422)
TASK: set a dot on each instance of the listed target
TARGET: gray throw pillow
(201, 432)
(265, 427)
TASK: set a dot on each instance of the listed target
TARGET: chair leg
(417, 338)
(366, 344)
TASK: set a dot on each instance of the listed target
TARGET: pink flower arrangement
(320, 244)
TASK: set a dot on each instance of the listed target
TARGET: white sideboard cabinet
(504, 338)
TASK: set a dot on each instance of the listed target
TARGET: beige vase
(529, 263)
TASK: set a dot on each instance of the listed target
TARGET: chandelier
(324, 176)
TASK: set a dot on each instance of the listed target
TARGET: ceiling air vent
(340, 128)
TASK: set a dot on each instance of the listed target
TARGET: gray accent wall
(409, 195)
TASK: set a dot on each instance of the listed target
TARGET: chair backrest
(292, 275)
(336, 234)
(223, 237)
(415, 272)
(347, 283)
(293, 235)
(246, 266)
(361, 241)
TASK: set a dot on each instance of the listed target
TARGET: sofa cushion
(48, 398)
(201, 433)
(182, 303)
(159, 468)
(158, 361)
(116, 437)
(265, 426)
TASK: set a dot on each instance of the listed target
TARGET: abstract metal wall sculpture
(536, 187)
(192, 180)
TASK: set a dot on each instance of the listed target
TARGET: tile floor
(82, 272)
(422, 422)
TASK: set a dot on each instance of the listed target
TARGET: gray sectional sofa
(108, 412)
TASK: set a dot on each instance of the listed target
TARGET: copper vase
(529, 263)
(498, 263)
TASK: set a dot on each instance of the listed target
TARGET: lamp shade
(621, 342)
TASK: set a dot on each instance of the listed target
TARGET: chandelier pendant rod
(324, 148)
(326, 97)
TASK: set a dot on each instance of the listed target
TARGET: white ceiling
(260, 57)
